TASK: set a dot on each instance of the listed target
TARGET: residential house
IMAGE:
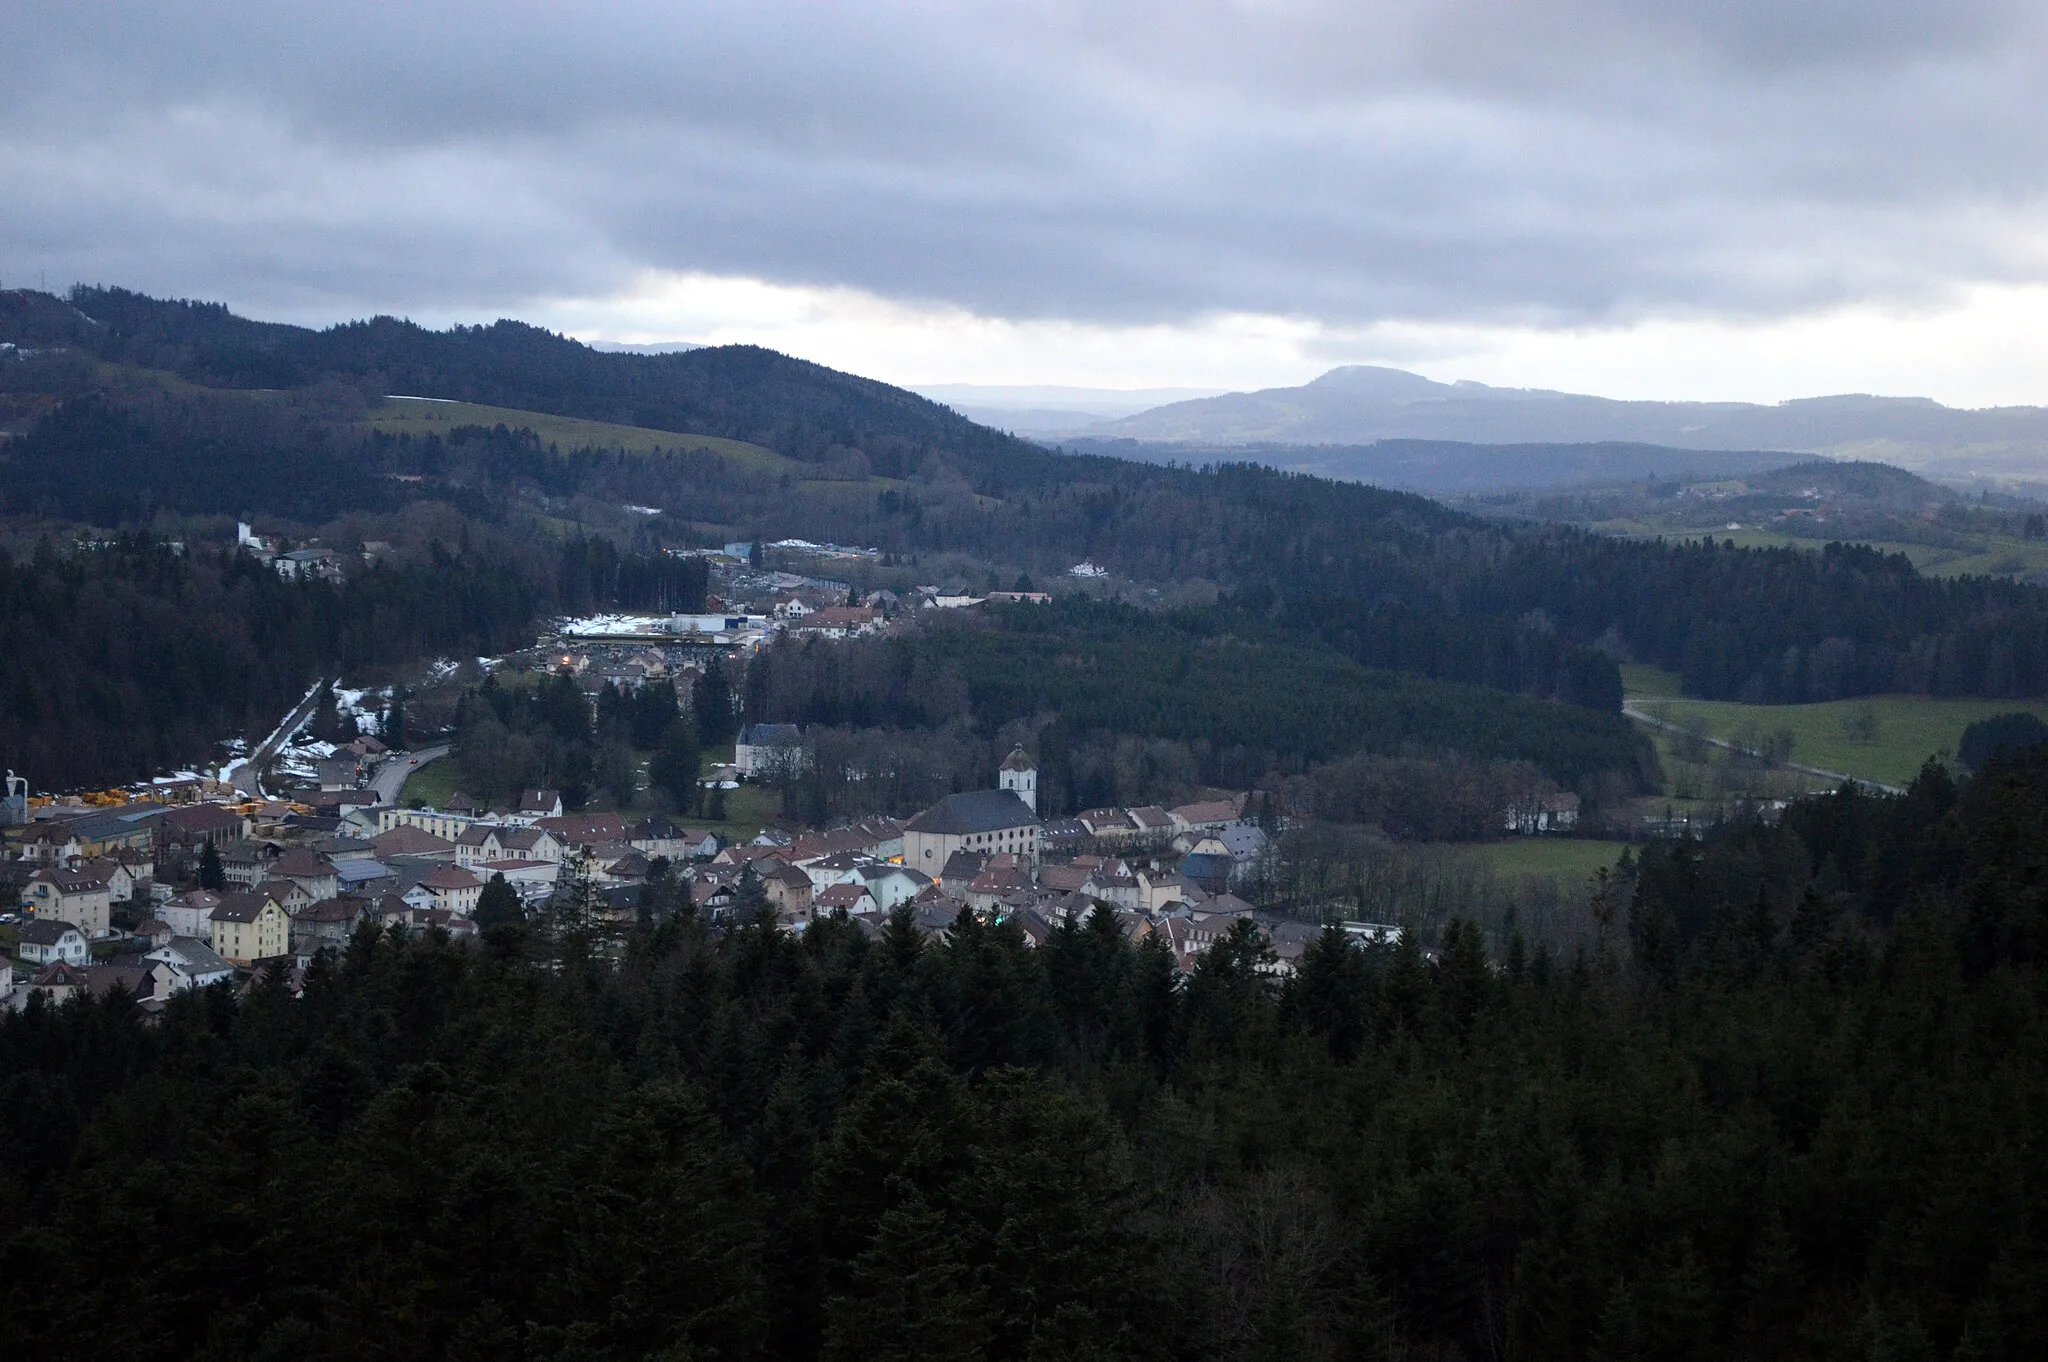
(409, 840)
(1227, 905)
(998, 885)
(1111, 826)
(576, 833)
(189, 913)
(330, 922)
(248, 927)
(309, 870)
(483, 842)
(1062, 835)
(1157, 890)
(155, 932)
(1247, 844)
(323, 564)
(1290, 942)
(839, 621)
(127, 873)
(981, 821)
(246, 862)
(788, 888)
(342, 771)
(1534, 815)
(841, 867)
(1114, 884)
(450, 887)
(187, 962)
(535, 805)
(713, 897)
(766, 751)
(960, 870)
(619, 862)
(52, 842)
(853, 898)
(892, 884)
(1208, 864)
(74, 896)
(289, 895)
(57, 981)
(660, 838)
(1214, 815)
(1153, 824)
(44, 940)
(100, 980)
(1032, 925)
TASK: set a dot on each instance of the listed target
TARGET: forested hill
(1391, 579)
(741, 392)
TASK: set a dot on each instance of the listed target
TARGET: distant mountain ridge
(1452, 468)
(1364, 404)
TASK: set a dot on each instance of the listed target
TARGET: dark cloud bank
(1539, 162)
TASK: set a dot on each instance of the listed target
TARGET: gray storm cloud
(1521, 160)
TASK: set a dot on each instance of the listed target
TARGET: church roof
(975, 811)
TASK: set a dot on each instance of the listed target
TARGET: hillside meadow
(1908, 729)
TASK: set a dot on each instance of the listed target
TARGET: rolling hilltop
(1361, 404)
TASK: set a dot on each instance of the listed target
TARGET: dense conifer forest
(1790, 1103)
(128, 658)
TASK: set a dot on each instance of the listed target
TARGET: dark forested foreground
(1791, 1105)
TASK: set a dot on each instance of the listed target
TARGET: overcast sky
(1667, 198)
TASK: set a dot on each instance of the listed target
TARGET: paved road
(391, 775)
(1640, 717)
(246, 775)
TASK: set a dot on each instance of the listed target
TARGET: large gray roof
(975, 811)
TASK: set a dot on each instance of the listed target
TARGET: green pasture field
(424, 416)
(1568, 860)
(1910, 728)
(433, 784)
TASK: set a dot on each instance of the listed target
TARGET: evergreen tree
(618, 774)
(1329, 995)
(212, 875)
(395, 735)
(711, 702)
(676, 765)
(499, 902)
(326, 721)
